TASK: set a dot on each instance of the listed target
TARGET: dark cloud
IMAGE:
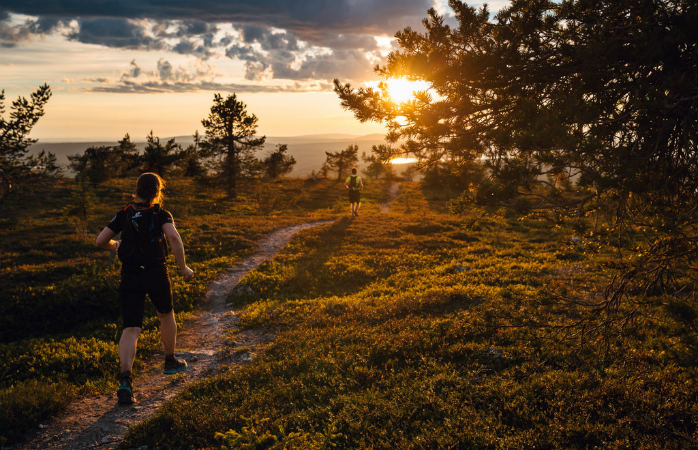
(187, 47)
(44, 25)
(115, 32)
(168, 78)
(195, 27)
(165, 70)
(132, 87)
(308, 19)
(134, 70)
(242, 52)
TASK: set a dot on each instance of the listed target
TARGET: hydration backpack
(354, 183)
(142, 239)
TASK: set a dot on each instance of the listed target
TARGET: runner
(354, 184)
(144, 226)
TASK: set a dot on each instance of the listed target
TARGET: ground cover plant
(59, 327)
(424, 329)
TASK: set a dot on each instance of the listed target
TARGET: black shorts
(135, 283)
(354, 196)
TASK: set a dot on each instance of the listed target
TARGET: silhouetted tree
(96, 164)
(159, 158)
(379, 161)
(231, 139)
(15, 166)
(341, 161)
(45, 165)
(191, 158)
(127, 156)
(278, 162)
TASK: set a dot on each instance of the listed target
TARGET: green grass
(415, 330)
(59, 327)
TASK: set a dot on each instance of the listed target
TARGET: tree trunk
(231, 169)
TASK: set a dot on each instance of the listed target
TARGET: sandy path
(99, 423)
(394, 189)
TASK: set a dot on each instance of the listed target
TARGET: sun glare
(403, 160)
(402, 90)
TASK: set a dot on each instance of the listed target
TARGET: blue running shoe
(174, 365)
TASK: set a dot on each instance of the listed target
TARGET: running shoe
(125, 391)
(174, 365)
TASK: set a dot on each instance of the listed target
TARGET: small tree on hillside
(278, 163)
(231, 138)
(379, 161)
(159, 158)
(15, 166)
(126, 155)
(96, 164)
(341, 161)
(191, 158)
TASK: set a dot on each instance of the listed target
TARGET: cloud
(134, 70)
(296, 40)
(305, 18)
(154, 86)
(271, 32)
(349, 64)
(115, 32)
(169, 78)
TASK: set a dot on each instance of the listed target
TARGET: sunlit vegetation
(423, 329)
(60, 314)
(572, 106)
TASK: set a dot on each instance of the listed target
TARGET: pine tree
(191, 161)
(15, 166)
(341, 161)
(126, 156)
(231, 139)
(379, 161)
(278, 162)
(159, 158)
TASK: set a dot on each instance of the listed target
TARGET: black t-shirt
(142, 239)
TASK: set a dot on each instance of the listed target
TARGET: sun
(402, 90)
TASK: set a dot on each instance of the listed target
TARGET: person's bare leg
(127, 348)
(358, 204)
(168, 331)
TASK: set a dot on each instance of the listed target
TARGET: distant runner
(144, 226)
(354, 184)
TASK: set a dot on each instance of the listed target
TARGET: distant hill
(309, 150)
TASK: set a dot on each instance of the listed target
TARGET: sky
(131, 66)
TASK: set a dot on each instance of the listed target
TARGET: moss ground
(420, 329)
(59, 325)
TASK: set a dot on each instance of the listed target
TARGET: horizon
(137, 140)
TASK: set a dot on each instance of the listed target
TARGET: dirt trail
(394, 189)
(99, 423)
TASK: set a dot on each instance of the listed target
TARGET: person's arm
(104, 240)
(175, 241)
